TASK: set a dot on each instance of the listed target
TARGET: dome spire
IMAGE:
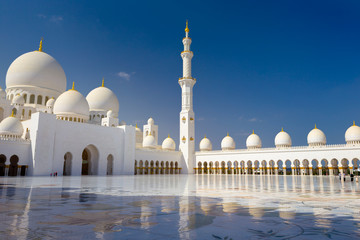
(12, 113)
(73, 86)
(315, 126)
(40, 45)
(253, 132)
(168, 135)
(354, 123)
(102, 83)
(282, 129)
(187, 26)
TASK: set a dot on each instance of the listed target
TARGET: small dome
(352, 135)
(36, 69)
(103, 99)
(150, 121)
(137, 129)
(71, 104)
(11, 126)
(205, 144)
(228, 143)
(168, 144)
(111, 114)
(316, 137)
(253, 141)
(50, 103)
(149, 142)
(283, 139)
(18, 100)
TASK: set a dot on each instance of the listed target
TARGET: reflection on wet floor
(179, 207)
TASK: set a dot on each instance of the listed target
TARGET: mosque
(45, 129)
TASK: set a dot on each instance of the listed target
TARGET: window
(39, 99)
(25, 97)
(32, 98)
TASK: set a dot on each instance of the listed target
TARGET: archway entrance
(110, 162)
(67, 164)
(90, 160)
(13, 169)
(2, 164)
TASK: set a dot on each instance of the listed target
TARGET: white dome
(50, 103)
(71, 104)
(283, 139)
(253, 141)
(228, 143)
(352, 135)
(11, 126)
(149, 142)
(110, 114)
(150, 121)
(205, 144)
(103, 99)
(168, 144)
(18, 99)
(36, 69)
(137, 129)
(316, 137)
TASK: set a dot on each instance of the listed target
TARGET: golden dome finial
(354, 123)
(102, 84)
(253, 132)
(168, 135)
(187, 26)
(13, 113)
(73, 86)
(282, 129)
(315, 126)
(40, 45)
(227, 134)
(205, 136)
(136, 125)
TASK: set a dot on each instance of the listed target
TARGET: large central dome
(36, 69)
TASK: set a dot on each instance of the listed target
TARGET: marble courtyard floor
(179, 207)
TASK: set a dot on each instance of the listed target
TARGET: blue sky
(259, 65)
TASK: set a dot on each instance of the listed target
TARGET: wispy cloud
(124, 75)
(52, 18)
(56, 19)
(253, 120)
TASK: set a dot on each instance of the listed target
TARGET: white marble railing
(13, 139)
(282, 148)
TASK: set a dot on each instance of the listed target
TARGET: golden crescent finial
(187, 26)
(73, 86)
(168, 135)
(253, 132)
(205, 136)
(315, 126)
(354, 123)
(227, 134)
(102, 84)
(40, 45)
(12, 113)
(282, 129)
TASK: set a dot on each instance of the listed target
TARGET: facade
(45, 129)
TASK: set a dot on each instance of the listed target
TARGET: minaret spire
(40, 45)
(187, 29)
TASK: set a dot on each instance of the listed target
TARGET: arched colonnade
(280, 167)
(156, 167)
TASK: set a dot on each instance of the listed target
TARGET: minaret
(187, 122)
